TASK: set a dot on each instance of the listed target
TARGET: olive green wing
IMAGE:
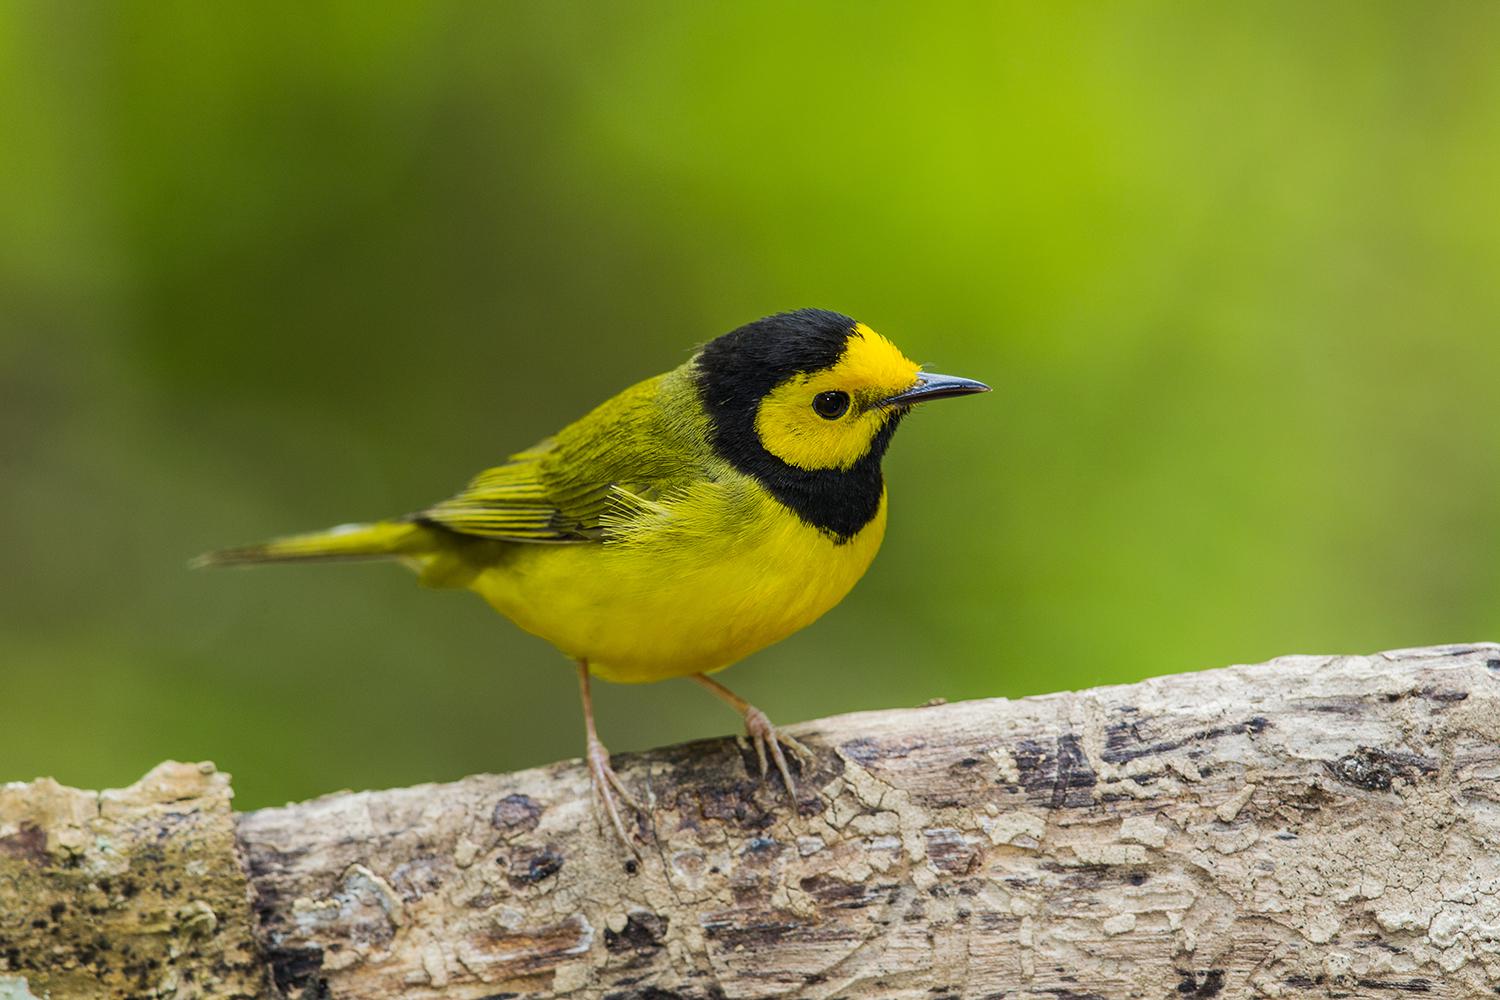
(576, 486)
(510, 502)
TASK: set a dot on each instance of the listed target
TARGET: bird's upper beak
(933, 386)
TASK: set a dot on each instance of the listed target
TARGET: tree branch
(1314, 825)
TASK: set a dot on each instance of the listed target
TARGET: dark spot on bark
(1073, 773)
(29, 843)
(1060, 774)
(56, 910)
(843, 895)
(950, 852)
(1029, 757)
(295, 968)
(1086, 878)
(751, 930)
(1493, 664)
(1374, 769)
(263, 860)
(657, 993)
(643, 932)
(531, 867)
(1123, 742)
(1363, 770)
(727, 800)
(631, 867)
(1403, 986)
(762, 845)
(1430, 693)
(1204, 984)
(1136, 878)
(421, 875)
(719, 780)
(864, 750)
(517, 813)
(808, 806)
(534, 949)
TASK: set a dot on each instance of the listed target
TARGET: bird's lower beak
(933, 386)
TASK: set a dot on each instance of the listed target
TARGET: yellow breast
(696, 584)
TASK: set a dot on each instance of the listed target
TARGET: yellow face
(827, 419)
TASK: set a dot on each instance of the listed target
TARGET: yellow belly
(659, 608)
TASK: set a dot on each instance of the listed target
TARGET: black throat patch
(738, 369)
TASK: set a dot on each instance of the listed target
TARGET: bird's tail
(379, 540)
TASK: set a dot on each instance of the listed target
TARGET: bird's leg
(763, 735)
(602, 777)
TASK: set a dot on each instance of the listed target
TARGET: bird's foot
(766, 738)
(607, 786)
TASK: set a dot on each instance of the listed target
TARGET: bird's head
(812, 391)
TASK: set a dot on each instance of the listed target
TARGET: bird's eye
(831, 405)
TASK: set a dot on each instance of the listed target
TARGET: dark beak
(931, 386)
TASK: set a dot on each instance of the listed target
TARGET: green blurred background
(1233, 270)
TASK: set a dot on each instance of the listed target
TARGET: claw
(764, 736)
(607, 785)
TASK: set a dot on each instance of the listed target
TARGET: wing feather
(570, 488)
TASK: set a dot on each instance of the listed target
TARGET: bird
(681, 525)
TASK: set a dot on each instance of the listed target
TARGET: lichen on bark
(133, 892)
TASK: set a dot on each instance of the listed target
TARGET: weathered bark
(135, 892)
(1315, 826)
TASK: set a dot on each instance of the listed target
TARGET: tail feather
(380, 540)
